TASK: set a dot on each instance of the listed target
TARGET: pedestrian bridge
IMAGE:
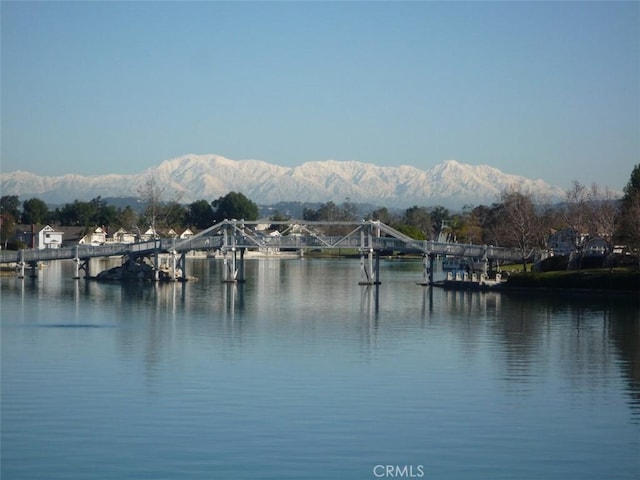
(232, 238)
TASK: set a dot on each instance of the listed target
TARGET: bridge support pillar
(178, 266)
(82, 264)
(20, 269)
(233, 271)
(241, 266)
(76, 262)
(20, 264)
(428, 265)
(156, 266)
(369, 271)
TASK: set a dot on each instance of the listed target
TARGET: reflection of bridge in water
(231, 239)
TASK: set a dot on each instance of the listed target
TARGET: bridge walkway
(232, 238)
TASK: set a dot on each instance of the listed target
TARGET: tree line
(154, 212)
(517, 219)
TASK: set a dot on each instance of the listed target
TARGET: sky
(545, 90)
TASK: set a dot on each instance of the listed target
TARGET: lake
(301, 373)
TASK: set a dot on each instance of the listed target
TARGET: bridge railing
(230, 234)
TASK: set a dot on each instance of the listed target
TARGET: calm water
(297, 375)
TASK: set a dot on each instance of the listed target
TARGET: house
(562, 242)
(567, 241)
(48, 237)
(39, 236)
(122, 236)
(72, 235)
(27, 235)
(97, 236)
(149, 234)
(595, 246)
(188, 233)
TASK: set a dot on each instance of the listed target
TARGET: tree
(234, 205)
(174, 214)
(158, 212)
(628, 221)
(127, 218)
(633, 185)
(34, 211)
(439, 216)
(457, 228)
(10, 205)
(77, 213)
(471, 219)
(383, 215)
(9, 214)
(105, 214)
(278, 217)
(602, 214)
(151, 194)
(330, 212)
(575, 214)
(411, 231)
(631, 225)
(486, 219)
(420, 219)
(326, 212)
(200, 214)
(520, 223)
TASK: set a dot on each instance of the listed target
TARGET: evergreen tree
(10, 205)
(200, 214)
(34, 211)
(234, 205)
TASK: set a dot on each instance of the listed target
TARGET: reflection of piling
(20, 264)
(369, 272)
(428, 265)
(33, 266)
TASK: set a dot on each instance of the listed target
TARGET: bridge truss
(232, 238)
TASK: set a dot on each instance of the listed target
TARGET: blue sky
(541, 89)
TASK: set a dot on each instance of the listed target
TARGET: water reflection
(313, 305)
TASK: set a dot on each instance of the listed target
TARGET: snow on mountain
(196, 177)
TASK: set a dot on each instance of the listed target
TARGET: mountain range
(194, 177)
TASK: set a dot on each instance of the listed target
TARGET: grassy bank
(618, 280)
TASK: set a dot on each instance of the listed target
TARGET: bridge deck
(364, 236)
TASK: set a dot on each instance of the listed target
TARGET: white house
(186, 234)
(97, 237)
(49, 238)
(150, 234)
(122, 236)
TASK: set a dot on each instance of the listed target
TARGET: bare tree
(156, 207)
(151, 194)
(602, 212)
(575, 214)
(519, 226)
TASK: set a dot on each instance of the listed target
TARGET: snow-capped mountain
(451, 184)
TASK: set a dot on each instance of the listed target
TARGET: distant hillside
(451, 184)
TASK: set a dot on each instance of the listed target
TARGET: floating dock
(473, 281)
